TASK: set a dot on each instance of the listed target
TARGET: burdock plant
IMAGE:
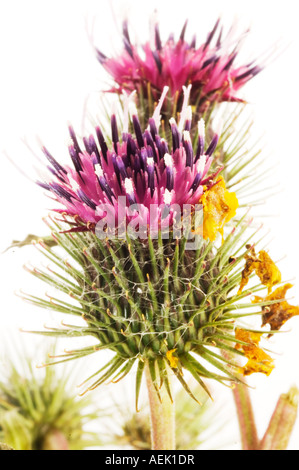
(158, 264)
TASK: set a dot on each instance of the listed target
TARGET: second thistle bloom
(210, 67)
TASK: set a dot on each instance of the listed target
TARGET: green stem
(245, 413)
(246, 419)
(162, 416)
(282, 422)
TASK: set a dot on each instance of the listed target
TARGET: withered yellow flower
(258, 360)
(278, 313)
(264, 267)
(173, 361)
(219, 206)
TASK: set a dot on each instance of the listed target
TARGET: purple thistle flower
(140, 168)
(210, 67)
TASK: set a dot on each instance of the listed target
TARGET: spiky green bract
(143, 299)
(38, 412)
(195, 424)
(242, 160)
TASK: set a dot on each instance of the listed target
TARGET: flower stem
(162, 415)
(55, 440)
(246, 419)
(282, 422)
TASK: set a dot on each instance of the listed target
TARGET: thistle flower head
(210, 67)
(139, 178)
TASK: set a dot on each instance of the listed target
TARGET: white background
(48, 70)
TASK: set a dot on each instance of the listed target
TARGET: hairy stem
(246, 419)
(162, 415)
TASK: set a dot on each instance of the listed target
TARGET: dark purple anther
(188, 125)
(164, 147)
(153, 128)
(56, 174)
(53, 162)
(74, 139)
(175, 135)
(230, 62)
(251, 72)
(131, 146)
(102, 143)
(106, 188)
(126, 39)
(94, 159)
(219, 40)
(75, 158)
(126, 159)
(211, 35)
(131, 199)
(150, 152)
(169, 178)
(193, 42)
(207, 62)
(136, 163)
(114, 131)
(148, 137)
(138, 131)
(201, 140)
(86, 199)
(115, 166)
(128, 48)
(151, 175)
(94, 148)
(101, 57)
(43, 185)
(200, 147)
(188, 149)
(157, 60)
(60, 191)
(151, 146)
(182, 35)
(87, 146)
(196, 182)
(143, 158)
(121, 167)
(126, 31)
(158, 38)
(113, 158)
(168, 160)
(159, 147)
(212, 145)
